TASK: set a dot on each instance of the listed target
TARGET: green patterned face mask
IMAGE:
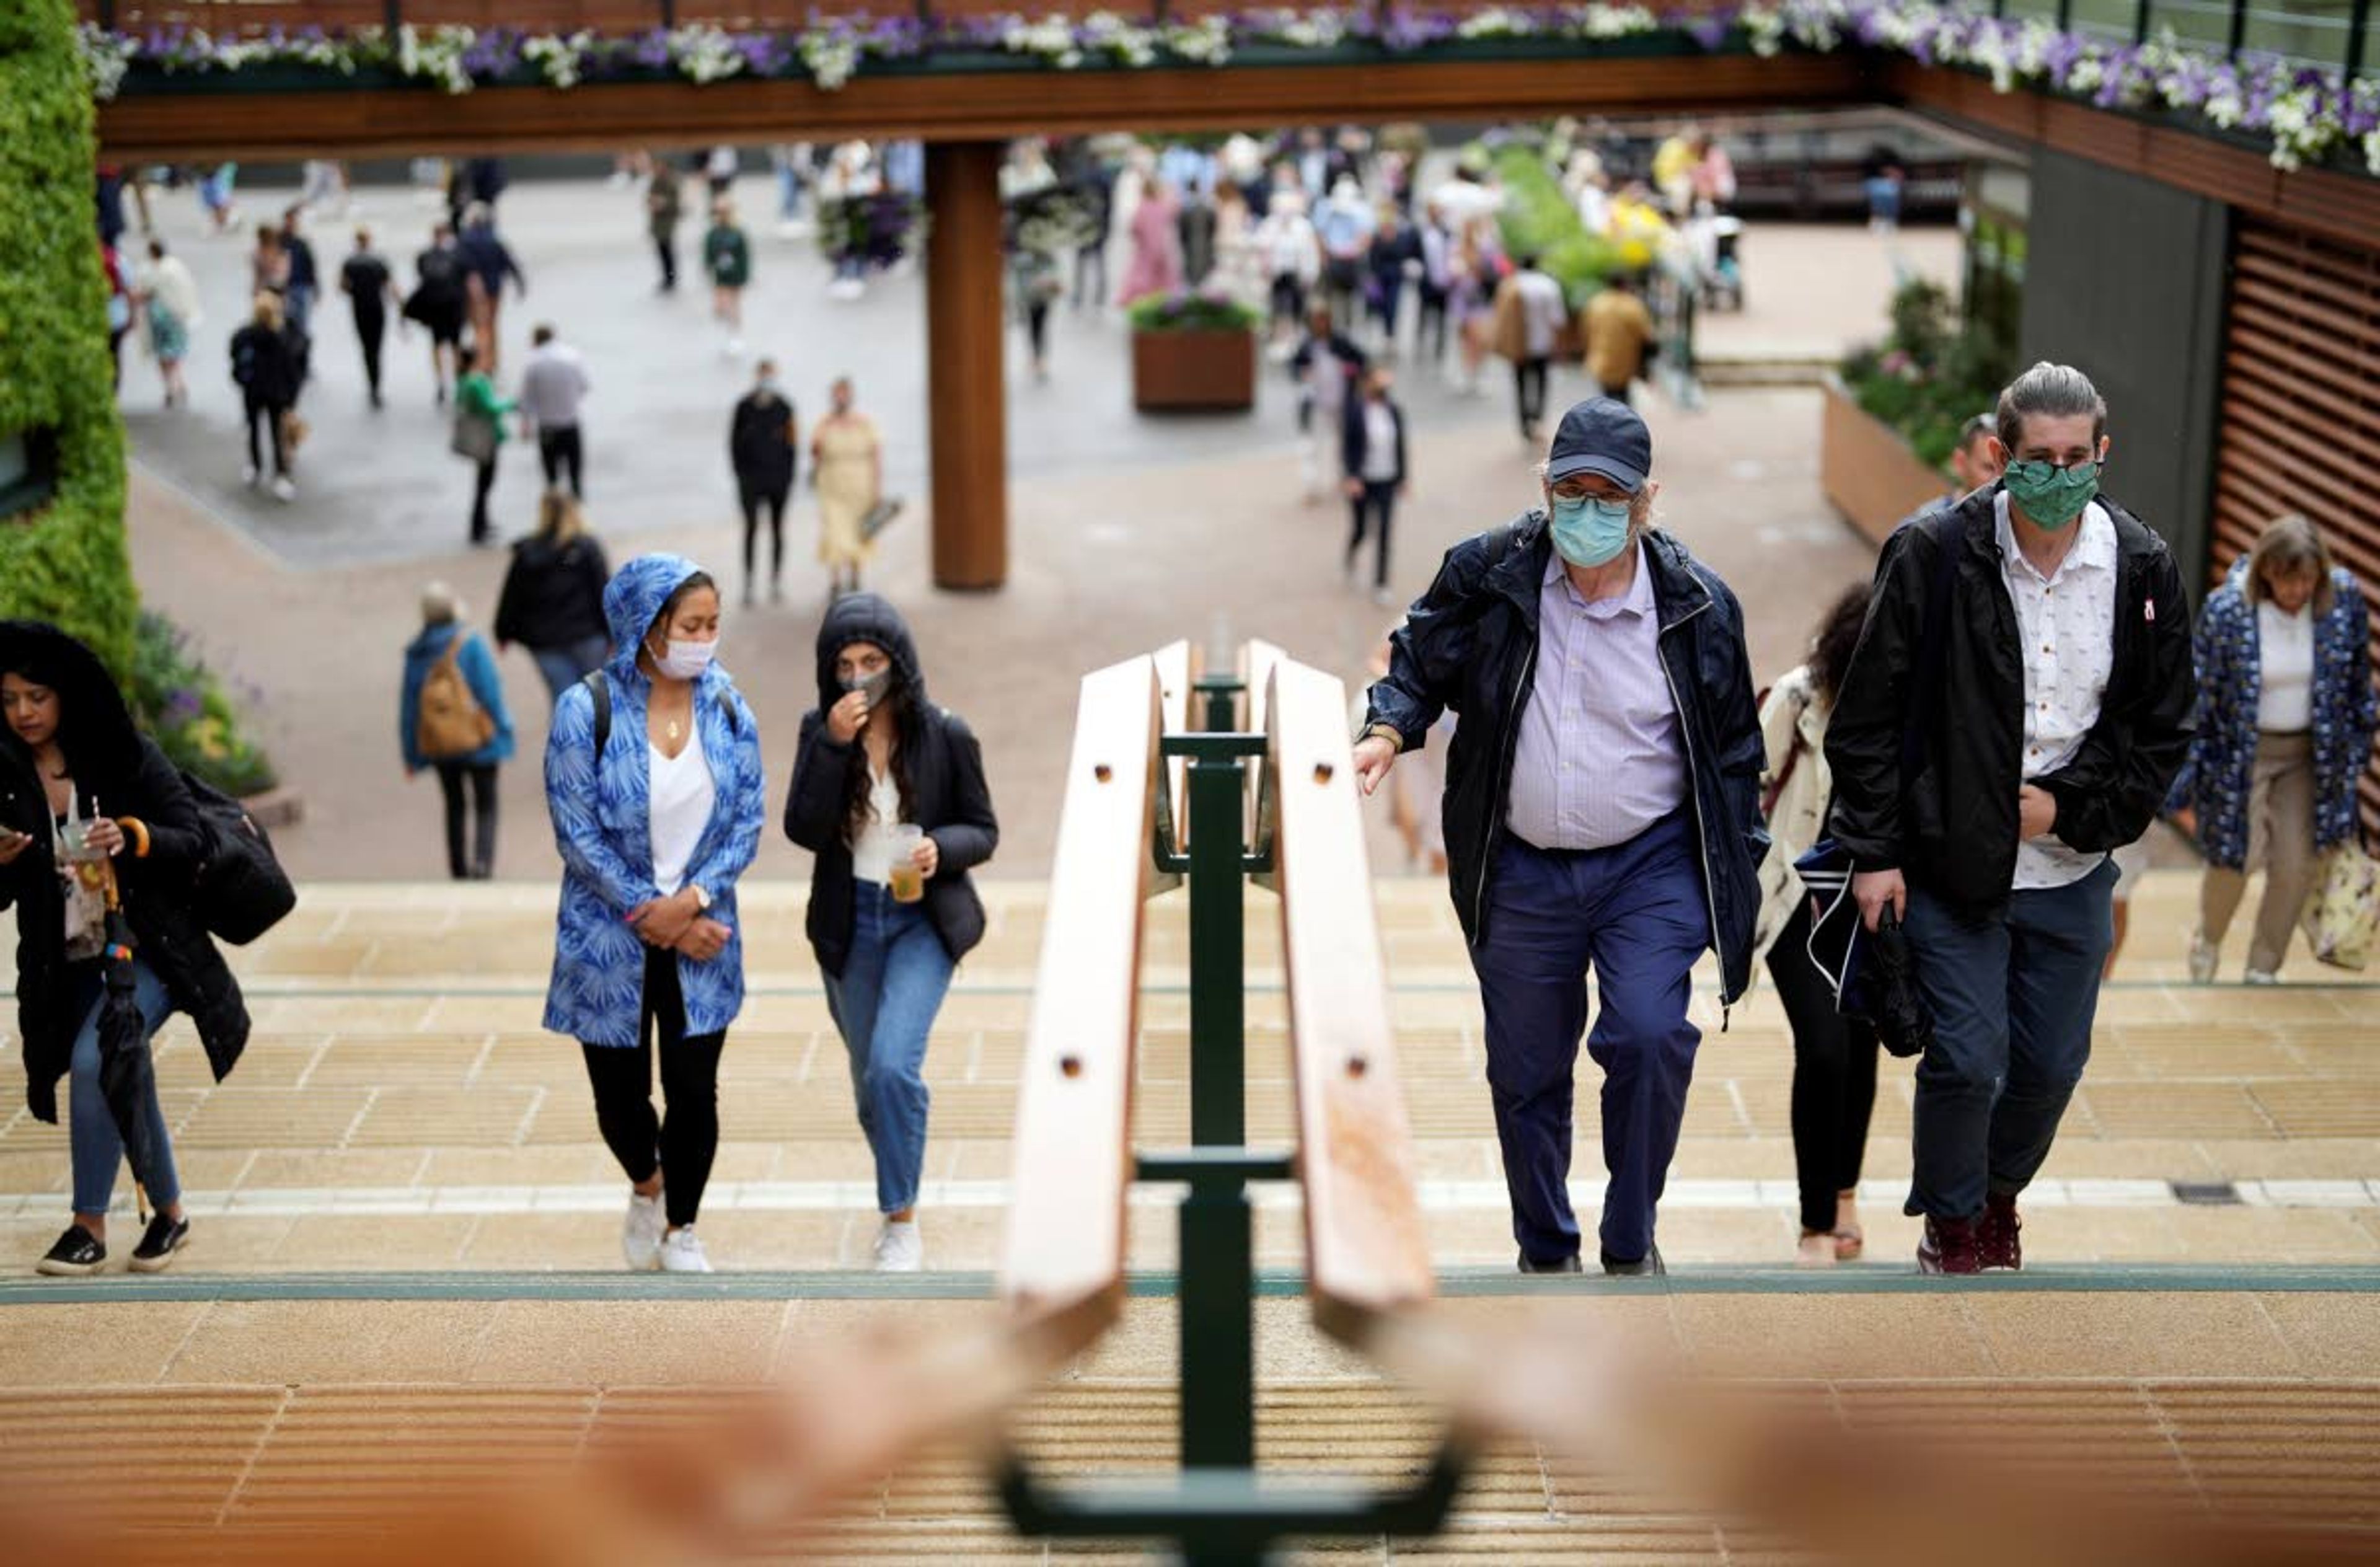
(2050, 496)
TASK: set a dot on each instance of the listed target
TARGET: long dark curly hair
(898, 705)
(1839, 635)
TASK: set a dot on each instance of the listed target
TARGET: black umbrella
(127, 1079)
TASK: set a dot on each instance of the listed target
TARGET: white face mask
(685, 660)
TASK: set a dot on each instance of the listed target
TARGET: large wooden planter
(1868, 471)
(1177, 371)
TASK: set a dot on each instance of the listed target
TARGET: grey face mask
(872, 687)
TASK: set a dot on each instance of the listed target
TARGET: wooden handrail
(1368, 1254)
(1062, 1259)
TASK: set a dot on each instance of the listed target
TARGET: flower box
(1194, 371)
(1868, 471)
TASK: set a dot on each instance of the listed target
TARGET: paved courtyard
(1125, 531)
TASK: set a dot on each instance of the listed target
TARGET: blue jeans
(885, 1001)
(1637, 915)
(566, 667)
(96, 1147)
(2012, 994)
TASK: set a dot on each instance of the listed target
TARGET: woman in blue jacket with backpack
(653, 773)
(451, 717)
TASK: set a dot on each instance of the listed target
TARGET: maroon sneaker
(1996, 1240)
(1949, 1246)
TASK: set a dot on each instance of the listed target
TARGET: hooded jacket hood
(631, 599)
(95, 726)
(867, 617)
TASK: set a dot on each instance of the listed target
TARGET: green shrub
(1539, 221)
(182, 702)
(1192, 312)
(1931, 373)
(65, 561)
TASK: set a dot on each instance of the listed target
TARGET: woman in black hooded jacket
(875, 757)
(70, 753)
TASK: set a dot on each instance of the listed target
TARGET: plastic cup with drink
(906, 882)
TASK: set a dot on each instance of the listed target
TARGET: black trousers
(267, 416)
(482, 859)
(665, 247)
(558, 449)
(1529, 385)
(486, 481)
(684, 1144)
(1430, 324)
(1036, 328)
(1088, 259)
(1377, 506)
(756, 498)
(1834, 1076)
(372, 328)
(1289, 297)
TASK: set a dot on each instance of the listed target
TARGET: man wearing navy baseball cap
(1603, 814)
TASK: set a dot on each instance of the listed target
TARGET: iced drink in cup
(906, 882)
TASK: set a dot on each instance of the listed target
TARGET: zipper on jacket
(1500, 783)
(1694, 791)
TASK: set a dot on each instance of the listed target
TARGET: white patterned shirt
(2067, 623)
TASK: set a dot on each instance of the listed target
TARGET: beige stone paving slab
(838, 1158)
(413, 1118)
(328, 1014)
(2307, 1234)
(312, 1169)
(2138, 1335)
(104, 1343)
(2332, 1335)
(1831, 1336)
(792, 1241)
(2211, 1110)
(2106, 1158)
(607, 1343)
(265, 1063)
(32, 1170)
(355, 1060)
(374, 1241)
(190, 1448)
(572, 1242)
(2295, 1159)
(2100, 1235)
(2331, 1109)
(252, 1118)
(345, 1341)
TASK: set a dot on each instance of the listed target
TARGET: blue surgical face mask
(1589, 532)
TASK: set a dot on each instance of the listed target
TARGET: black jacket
(267, 364)
(129, 777)
(1952, 828)
(1471, 644)
(553, 593)
(948, 795)
(757, 443)
(1355, 437)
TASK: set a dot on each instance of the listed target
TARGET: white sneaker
(736, 348)
(2203, 957)
(900, 1248)
(641, 1237)
(2262, 977)
(248, 474)
(682, 1253)
(283, 490)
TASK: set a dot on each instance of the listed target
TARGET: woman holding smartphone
(653, 773)
(80, 789)
(888, 794)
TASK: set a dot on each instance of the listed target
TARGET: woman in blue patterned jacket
(2286, 714)
(653, 773)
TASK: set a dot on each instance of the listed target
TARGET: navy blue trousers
(1637, 916)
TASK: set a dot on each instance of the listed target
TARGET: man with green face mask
(2018, 705)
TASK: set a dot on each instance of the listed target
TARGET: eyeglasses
(1578, 490)
(2040, 470)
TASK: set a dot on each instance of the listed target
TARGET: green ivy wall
(66, 562)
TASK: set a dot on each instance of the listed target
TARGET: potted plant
(1193, 351)
(1893, 414)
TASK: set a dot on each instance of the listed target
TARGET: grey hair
(439, 604)
(2291, 544)
(2056, 391)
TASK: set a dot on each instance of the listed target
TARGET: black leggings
(486, 481)
(684, 1144)
(267, 416)
(1834, 1075)
(482, 858)
(757, 498)
(1378, 502)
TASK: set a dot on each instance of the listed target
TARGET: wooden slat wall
(2300, 418)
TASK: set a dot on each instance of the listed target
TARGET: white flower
(105, 58)
(833, 58)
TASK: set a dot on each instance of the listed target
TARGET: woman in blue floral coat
(653, 773)
(2286, 715)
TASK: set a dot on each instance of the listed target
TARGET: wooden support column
(966, 383)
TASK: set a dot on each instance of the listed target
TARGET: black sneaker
(159, 1243)
(1650, 1263)
(78, 1252)
(1561, 1265)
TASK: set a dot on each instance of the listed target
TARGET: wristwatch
(1382, 731)
(701, 898)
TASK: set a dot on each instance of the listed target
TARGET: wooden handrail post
(2238, 29)
(2358, 30)
(2141, 23)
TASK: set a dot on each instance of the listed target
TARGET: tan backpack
(449, 722)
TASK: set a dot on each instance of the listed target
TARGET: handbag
(2342, 916)
(239, 890)
(475, 437)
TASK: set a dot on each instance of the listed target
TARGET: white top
(552, 386)
(1379, 440)
(2285, 659)
(1542, 309)
(2068, 624)
(871, 852)
(682, 796)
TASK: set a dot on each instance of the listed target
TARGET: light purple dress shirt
(1599, 759)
